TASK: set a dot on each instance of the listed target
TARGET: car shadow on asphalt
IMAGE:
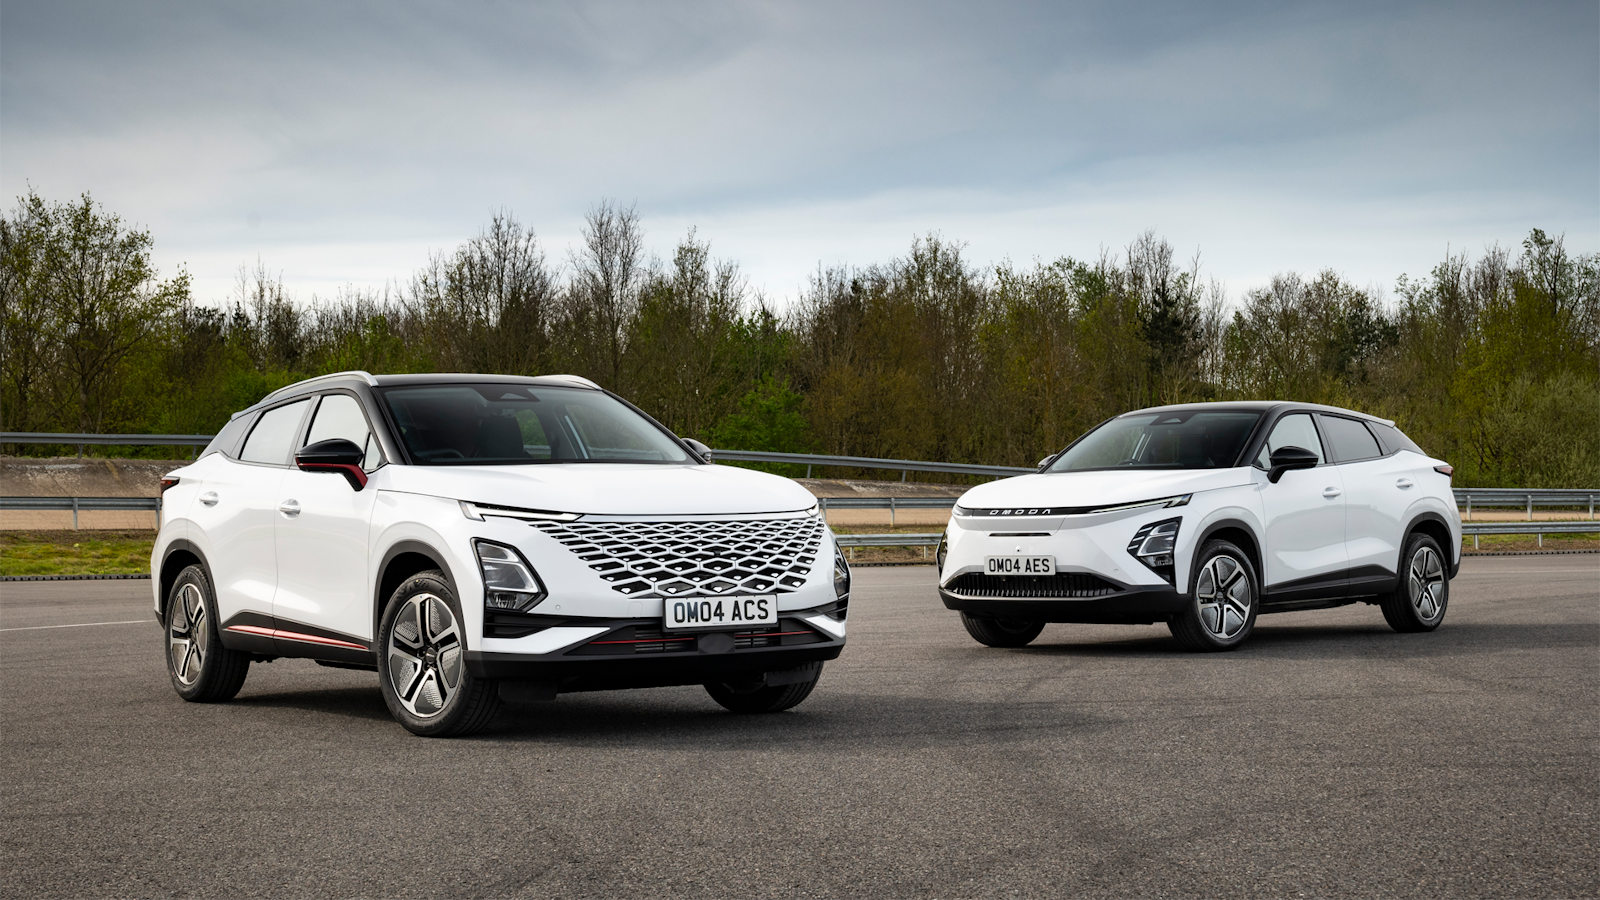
(349, 702)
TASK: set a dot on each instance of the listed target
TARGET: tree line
(1492, 363)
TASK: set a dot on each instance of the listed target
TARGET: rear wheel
(757, 697)
(202, 670)
(1222, 607)
(422, 663)
(1001, 632)
(1419, 601)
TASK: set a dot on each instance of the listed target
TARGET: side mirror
(334, 455)
(1286, 458)
(699, 448)
(1047, 461)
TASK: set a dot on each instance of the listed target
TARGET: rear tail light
(168, 482)
(1446, 470)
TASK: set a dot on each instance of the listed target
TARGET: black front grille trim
(1062, 584)
(650, 639)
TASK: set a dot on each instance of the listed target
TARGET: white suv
(1204, 516)
(478, 538)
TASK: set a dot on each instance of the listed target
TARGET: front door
(1303, 513)
(323, 599)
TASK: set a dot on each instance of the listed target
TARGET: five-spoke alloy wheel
(1223, 604)
(422, 663)
(1419, 601)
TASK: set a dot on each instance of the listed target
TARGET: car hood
(608, 488)
(1102, 488)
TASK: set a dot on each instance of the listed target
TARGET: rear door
(1378, 491)
(235, 511)
(322, 599)
(1305, 554)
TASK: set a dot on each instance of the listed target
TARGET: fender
(163, 584)
(1257, 551)
(379, 599)
(1452, 555)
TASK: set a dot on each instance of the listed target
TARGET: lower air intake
(1066, 584)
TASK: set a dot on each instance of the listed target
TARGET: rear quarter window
(1349, 440)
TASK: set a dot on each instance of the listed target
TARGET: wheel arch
(180, 555)
(1433, 525)
(401, 561)
(1240, 533)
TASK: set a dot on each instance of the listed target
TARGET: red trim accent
(295, 636)
(357, 477)
(661, 640)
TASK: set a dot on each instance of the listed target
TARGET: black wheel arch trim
(1254, 551)
(380, 597)
(166, 578)
(1452, 554)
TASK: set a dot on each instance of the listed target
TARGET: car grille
(1066, 584)
(674, 559)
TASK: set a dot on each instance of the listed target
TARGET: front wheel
(202, 670)
(1418, 602)
(1002, 632)
(422, 663)
(757, 697)
(1222, 607)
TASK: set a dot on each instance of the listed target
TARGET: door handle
(1331, 492)
(289, 507)
(1403, 484)
(209, 498)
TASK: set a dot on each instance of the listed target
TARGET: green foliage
(1492, 364)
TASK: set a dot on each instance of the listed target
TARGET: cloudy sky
(340, 142)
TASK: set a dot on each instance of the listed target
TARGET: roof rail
(571, 379)
(354, 373)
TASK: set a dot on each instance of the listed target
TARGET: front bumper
(1131, 605)
(619, 659)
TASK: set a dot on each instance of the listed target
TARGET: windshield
(517, 424)
(1175, 440)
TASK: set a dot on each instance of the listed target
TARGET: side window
(340, 416)
(270, 440)
(1350, 439)
(1394, 439)
(227, 440)
(1292, 431)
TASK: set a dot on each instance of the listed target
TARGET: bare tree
(604, 293)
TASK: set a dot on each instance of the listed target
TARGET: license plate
(690, 613)
(1021, 565)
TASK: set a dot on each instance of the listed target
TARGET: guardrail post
(823, 502)
(808, 471)
(902, 476)
(1591, 506)
(158, 513)
(74, 513)
(1530, 507)
(1540, 536)
(1469, 515)
(891, 512)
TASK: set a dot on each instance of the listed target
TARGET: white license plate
(1020, 565)
(688, 613)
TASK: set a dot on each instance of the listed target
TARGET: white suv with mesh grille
(479, 539)
(1203, 516)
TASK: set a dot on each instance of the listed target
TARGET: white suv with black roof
(1204, 516)
(479, 538)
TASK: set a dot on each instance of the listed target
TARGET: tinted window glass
(1183, 439)
(270, 440)
(1394, 439)
(339, 416)
(1292, 431)
(227, 440)
(504, 424)
(1350, 439)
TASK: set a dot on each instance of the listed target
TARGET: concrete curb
(70, 577)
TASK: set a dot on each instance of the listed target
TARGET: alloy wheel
(188, 634)
(425, 655)
(1425, 584)
(1223, 594)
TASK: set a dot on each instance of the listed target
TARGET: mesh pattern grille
(674, 559)
(1066, 584)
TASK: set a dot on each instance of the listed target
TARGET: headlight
(508, 581)
(841, 574)
(942, 552)
(1153, 545)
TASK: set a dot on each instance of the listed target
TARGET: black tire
(201, 669)
(1002, 632)
(757, 698)
(1419, 601)
(422, 662)
(1224, 600)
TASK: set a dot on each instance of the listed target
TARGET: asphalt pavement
(1328, 757)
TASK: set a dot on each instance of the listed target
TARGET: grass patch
(75, 552)
(1522, 543)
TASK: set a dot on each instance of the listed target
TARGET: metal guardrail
(868, 462)
(153, 504)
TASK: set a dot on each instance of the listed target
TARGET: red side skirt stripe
(294, 636)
